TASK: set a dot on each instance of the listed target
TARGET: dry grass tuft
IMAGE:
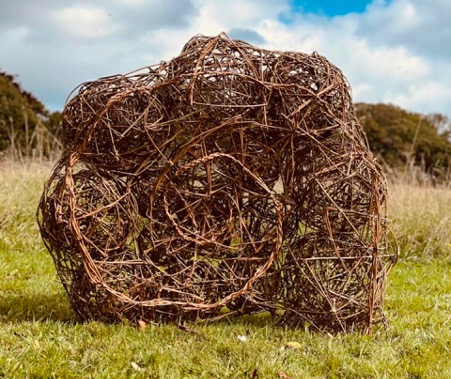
(421, 217)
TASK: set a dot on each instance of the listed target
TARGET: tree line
(408, 141)
(27, 128)
(400, 140)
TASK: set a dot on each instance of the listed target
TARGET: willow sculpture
(229, 180)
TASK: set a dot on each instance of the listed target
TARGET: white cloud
(420, 96)
(375, 73)
(378, 69)
(394, 52)
(16, 34)
(216, 16)
(82, 21)
(423, 27)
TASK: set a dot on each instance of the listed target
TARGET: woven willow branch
(229, 179)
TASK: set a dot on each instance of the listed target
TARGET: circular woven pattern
(228, 180)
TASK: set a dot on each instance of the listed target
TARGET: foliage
(25, 123)
(40, 337)
(403, 139)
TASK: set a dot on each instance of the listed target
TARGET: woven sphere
(229, 180)
(108, 121)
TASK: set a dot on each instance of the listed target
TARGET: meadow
(41, 337)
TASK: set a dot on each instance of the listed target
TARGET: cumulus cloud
(85, 21)
(396, 51)
(423, 27)
(53, 46)
(222, 15)
(378, 50)
(419, 96)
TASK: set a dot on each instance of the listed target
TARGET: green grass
(40, 337)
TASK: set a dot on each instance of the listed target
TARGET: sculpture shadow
(41, 307)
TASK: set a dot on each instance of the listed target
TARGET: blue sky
(393, 51)
(330, 8)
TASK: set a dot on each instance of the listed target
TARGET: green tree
(401, 138)
(25, 123)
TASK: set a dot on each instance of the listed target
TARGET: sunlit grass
(41, 337)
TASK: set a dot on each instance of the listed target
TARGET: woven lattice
(228, 180)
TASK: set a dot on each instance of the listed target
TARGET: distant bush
(408, 141)
(27, 128)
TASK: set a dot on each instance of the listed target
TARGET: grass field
(40, 337)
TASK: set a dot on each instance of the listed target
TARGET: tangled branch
(229, 179)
